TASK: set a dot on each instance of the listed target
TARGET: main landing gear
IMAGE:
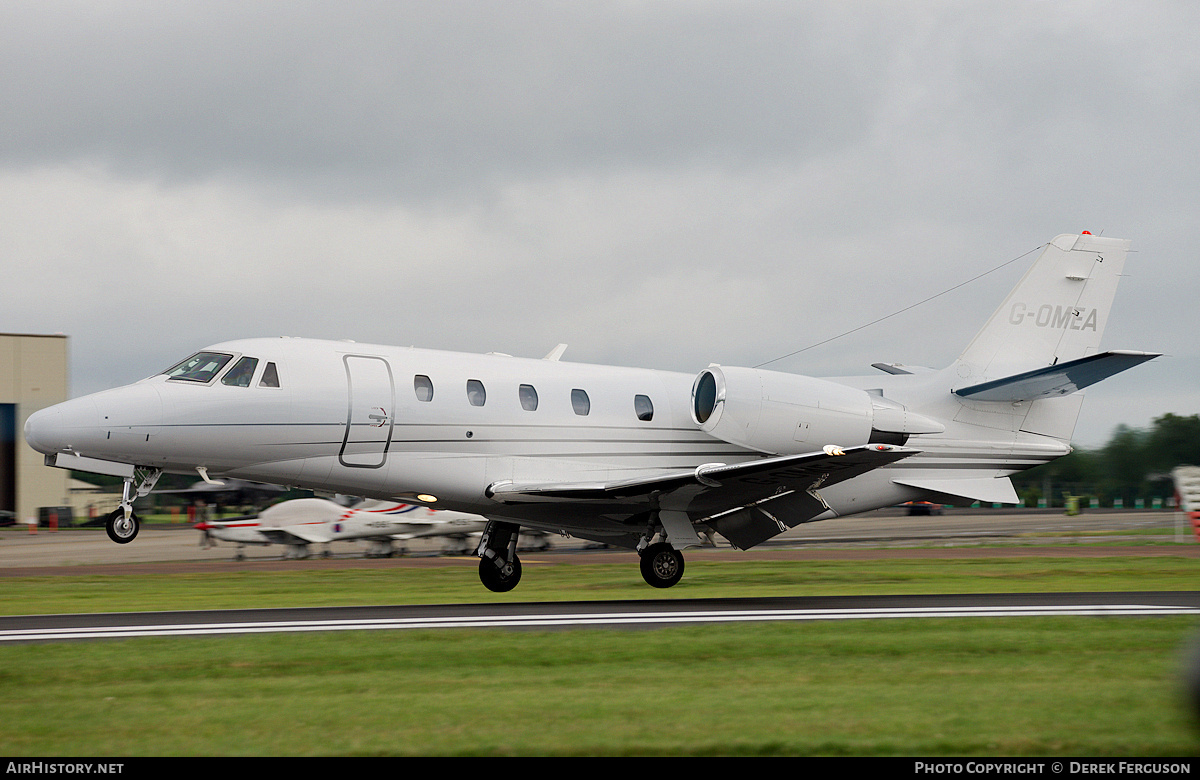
(662, 565)
(499, 566)
(123, 525)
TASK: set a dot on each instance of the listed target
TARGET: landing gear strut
(123, 525)
(662, 565)
(499, 566)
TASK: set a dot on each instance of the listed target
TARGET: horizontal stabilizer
(1053, 381)
(994, 490)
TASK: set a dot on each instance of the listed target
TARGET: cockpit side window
(241, 373)
(200, 367)
(270, 377)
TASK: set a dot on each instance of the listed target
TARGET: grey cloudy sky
(661, 184)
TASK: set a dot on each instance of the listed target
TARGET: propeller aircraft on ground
(304, 521)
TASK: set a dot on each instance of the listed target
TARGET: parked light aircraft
(228, 492)
(642, 459)
(304, 521)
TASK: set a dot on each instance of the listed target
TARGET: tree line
(1134, 465)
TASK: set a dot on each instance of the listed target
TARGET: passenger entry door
(370, 408)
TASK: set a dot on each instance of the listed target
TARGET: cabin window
(423, 387)
(241, 373)
(475, 392)
(643, 407)
(580, 402)
(270, 377)
(200, 367)
(528, 398)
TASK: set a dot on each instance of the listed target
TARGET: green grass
(938, 687)
(1070, 686)
(569, 582)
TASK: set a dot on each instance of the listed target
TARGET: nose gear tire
(120, 529)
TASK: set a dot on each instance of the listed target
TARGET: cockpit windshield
(241, 374)
(200, 367)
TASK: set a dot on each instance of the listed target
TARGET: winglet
(556, 353)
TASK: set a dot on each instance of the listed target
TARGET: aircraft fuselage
(351, 418)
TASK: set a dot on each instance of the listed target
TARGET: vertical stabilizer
(1056, 313)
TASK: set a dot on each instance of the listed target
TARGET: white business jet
(304, 521)
(647, 460)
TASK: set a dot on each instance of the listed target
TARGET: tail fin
(1056, 313)
(1021, 371)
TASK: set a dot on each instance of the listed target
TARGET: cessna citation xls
(647, 460)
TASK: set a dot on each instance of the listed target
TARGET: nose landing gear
(123, 525)
(122, 528)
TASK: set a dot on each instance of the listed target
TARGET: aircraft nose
(55, 428)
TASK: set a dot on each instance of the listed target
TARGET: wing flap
(755, 523)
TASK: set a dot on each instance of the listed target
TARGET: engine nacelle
(787, 414)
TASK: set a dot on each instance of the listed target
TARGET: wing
(436, 532)
(295, 534)
(747, 503)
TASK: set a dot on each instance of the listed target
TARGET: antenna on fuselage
(203, 472)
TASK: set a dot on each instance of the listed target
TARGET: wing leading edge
(747, 503)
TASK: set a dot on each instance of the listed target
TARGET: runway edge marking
(585, 620)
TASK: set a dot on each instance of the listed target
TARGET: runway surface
(606, 614)
(882, 533)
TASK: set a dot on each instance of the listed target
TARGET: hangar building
(33, 375)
